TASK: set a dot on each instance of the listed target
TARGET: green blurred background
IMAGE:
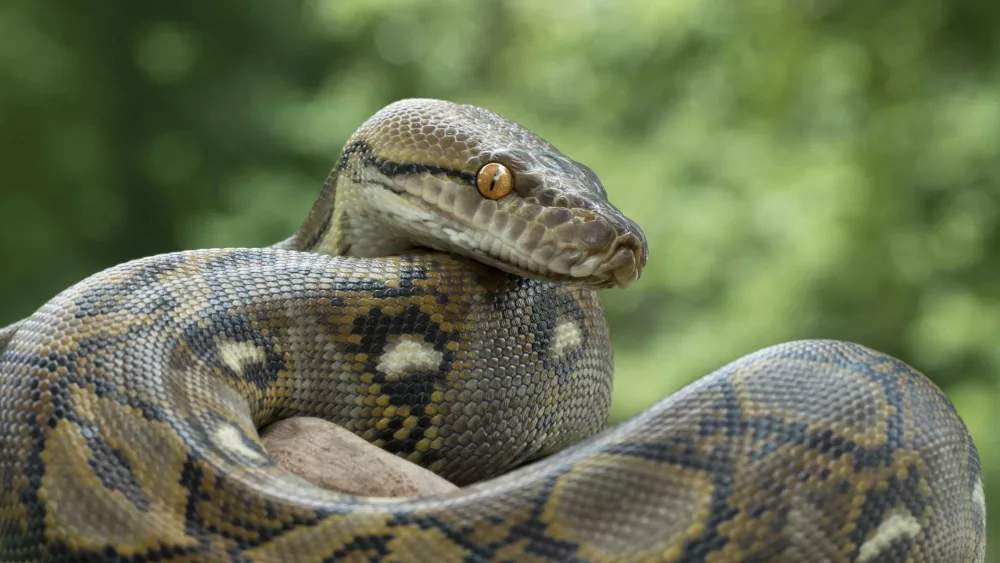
(802, 168)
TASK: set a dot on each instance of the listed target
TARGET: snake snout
(601, 251)
(628, 258)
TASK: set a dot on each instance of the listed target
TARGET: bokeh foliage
(802, 168)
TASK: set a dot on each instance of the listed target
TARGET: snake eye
(494, 180)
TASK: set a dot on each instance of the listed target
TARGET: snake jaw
(580, 241)
(580, 249)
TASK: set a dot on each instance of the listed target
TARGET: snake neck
(345, 222)
(314, 234)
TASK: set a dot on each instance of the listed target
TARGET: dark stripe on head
(390, 168)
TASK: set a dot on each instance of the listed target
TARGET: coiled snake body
(130, 403)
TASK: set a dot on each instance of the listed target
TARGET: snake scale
(439, 300)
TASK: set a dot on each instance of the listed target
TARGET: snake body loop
(439, 301)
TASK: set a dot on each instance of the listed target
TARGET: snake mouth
(581, 246)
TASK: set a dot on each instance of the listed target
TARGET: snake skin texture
(463, 333)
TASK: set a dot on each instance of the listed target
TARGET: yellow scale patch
(73, 494)
(677, 495)
(794, 404)
(318, 543)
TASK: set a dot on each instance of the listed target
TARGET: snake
(440, 300)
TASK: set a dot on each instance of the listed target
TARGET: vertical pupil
(495, 179)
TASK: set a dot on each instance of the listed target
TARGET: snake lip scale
(439, 301)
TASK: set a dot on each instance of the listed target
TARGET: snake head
(462, 179)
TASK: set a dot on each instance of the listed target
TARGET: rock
(332, 457)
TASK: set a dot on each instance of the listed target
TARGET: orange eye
(494, 180)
